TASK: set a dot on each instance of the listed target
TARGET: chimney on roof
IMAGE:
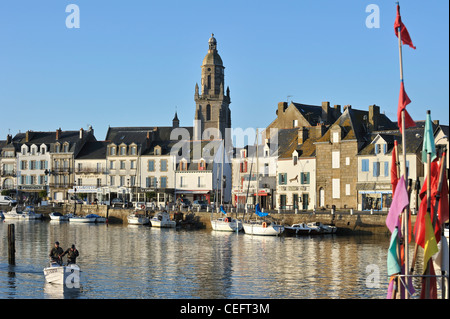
(58, 134)
(374, 114)
(149, 138)
(317, 131)
(326, 112)
(8, 138)
(27, 136)
(436, 122)
(281, 107)
(81, 133)
(302, 135)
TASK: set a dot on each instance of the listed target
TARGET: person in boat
(72, 254)
(55, 253)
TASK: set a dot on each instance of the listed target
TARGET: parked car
(199, 203)
(116, 202)
(75, 200)
(6, 200)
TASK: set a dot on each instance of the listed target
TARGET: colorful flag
(419, 227)
(443, 201)
(399, 202)
(430, 247)
(393, 263)
(406, 39)
(403, 101)
(394, 176)
(428, 140)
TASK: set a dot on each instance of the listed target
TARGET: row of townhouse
(132, 163)
(326, 159)
(317, 157)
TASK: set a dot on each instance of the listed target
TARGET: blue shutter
(386, 169)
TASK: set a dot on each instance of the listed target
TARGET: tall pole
(405, 211)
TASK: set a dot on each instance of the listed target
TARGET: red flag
(394, 176)
(403, 101)
(406, 39)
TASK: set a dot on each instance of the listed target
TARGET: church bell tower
(212, 110)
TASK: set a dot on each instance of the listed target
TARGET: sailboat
(262, 227)
(226, 223)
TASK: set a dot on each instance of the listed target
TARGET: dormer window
(112, 150)
(66, 147)
(133, 150)
(157, 150)
(123, 150)
(183, 165)
(43, 149)
(57, 148)
(24, 150)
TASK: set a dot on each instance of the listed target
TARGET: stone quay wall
(347, 222)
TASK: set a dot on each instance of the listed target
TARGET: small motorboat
(13, 214)
(98, 219)
(137, 219)
(82, 219)
(162, 220)
(301, 229)
(325, 229)
(58, 216)
(68, 275)
(29, 213)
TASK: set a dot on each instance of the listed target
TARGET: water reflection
(143, 262)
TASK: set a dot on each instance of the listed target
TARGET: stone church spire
(212, 105)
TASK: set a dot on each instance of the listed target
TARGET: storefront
(372, 196)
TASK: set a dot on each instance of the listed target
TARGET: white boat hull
(260, 230)
(81, 220)
(138, 220)
(63, 275)
(163, 223)
(220, 225)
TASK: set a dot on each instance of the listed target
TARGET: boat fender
(264, 225)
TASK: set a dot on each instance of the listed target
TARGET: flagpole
(405, 211)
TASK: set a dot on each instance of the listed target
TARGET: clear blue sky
(131, 63)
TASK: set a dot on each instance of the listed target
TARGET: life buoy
(264, 225)
(142, 206)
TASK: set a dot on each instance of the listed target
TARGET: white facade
(32, 161)
(245, 169)
(374, 177)
(296, 183)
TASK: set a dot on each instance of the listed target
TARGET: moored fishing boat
(162, 220)
(301, 229)
(138, 218)
(324, 229)
(82, 219)
(30, 214)
(58, 216)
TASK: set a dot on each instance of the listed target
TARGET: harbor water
(133, 262)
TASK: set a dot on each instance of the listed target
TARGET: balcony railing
(6, 173)
(91, 170)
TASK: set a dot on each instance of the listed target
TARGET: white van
(6, 200)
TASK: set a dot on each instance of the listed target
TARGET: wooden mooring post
(11, 245)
